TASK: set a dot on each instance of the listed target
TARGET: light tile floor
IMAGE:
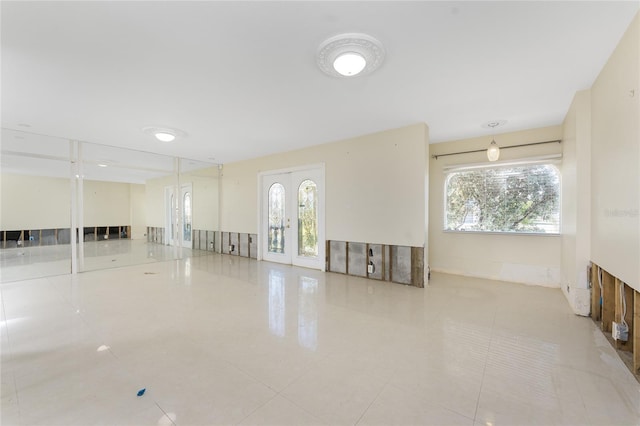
(43, 261)
(225, 340)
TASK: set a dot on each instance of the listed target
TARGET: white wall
(33, 202)
(615, 171)
(576, 202)
(374, 187)
(530, 259)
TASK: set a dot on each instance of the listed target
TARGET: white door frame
(175, 236)
(318, 168)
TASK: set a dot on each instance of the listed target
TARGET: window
(307, 219)
(276, 218)
(521, 198)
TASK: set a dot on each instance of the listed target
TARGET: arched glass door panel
(276, 217)
(308, 219)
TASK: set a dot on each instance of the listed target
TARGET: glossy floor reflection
(43, 261)
(226, 340)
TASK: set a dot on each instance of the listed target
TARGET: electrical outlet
(620, 331)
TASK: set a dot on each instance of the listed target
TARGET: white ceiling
(240, 77)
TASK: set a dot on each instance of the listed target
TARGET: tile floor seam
(484, 369)
(165, 413)
(375, 398)
(303, 409)
(256, 409)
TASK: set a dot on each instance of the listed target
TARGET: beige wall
(106, 203)
(531, 259)
(154, 200)
(374, 187)
(138, 211)
(615, 171)
(205, 198)
(33, 202)
(576, 202)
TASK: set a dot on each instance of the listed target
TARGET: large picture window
(521, 198)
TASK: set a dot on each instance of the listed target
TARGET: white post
(80, 207)
(73, 176)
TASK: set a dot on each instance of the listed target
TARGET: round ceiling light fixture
(351, 54)
(164, 134)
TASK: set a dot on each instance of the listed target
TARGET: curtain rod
(501, 148)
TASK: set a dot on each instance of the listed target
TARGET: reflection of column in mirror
(276, 303)
(177, 238)
(187, 271)
(80, 200)
(308, 313)
(74, 205)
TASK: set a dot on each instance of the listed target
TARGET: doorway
(292, 217)
(179, 215)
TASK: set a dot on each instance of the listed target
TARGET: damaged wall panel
(338, 256)
(357, 259)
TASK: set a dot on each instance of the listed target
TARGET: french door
(292, 217)
(179, 215)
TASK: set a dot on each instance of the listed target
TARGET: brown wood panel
(327, 255)
(346, 256)
(608, 301)
(596, 307)
(417, 267)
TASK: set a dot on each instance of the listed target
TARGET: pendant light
(493, 153)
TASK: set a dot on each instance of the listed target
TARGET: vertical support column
(347, 257)
(636, 332)
(624, 311)
(80, 210)
(178, 237)
(596, 307)
(628, 318)
(608, 301)
(417, 267)
(327, 255)
(74, 211)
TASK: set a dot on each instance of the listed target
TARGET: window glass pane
(307, 219)
(276, 218)
(187, 217)
(504, 199)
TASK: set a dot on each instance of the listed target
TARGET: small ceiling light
(102, 165)
(351, 54)
(349, 64)
(164, 134)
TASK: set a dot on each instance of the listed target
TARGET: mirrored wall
(126, 207)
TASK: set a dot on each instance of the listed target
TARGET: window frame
(553, 161)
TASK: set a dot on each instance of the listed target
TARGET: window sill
(529, 234)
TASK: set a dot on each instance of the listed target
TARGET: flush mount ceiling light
(164, 134)
(351, 54)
